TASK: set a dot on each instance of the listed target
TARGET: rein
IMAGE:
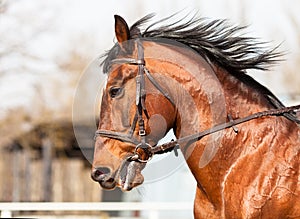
(142, 145)
(231, 124)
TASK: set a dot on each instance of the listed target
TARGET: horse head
(132, 118)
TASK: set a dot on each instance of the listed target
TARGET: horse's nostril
(99, 173)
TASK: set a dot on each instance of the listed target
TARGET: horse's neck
(209, 158)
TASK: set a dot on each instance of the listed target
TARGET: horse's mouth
(129, 175)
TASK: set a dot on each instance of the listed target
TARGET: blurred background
(45, 46)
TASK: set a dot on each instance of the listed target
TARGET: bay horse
(240, 142)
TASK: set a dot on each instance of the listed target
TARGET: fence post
(16, 153)
(47, 168)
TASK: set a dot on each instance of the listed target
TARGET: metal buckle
(146, 148)
(142, 132)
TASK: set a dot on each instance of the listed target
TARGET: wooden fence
(25, 177)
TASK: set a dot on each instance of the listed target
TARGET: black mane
(216, 40)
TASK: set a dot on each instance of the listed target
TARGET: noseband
(142, 145)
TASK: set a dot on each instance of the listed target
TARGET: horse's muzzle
(127, 176)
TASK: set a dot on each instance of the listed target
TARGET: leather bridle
(140, 107)
(141, 110)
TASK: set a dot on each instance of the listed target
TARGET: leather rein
(141, 110)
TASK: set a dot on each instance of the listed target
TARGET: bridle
(141, 110)
(140, 107)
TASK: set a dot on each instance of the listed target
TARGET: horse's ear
(121, 29)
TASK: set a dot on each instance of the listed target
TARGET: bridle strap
(116, 135)
(141, 92)
(158, 87)
(129, 61)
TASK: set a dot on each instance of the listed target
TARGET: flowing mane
(216, 40)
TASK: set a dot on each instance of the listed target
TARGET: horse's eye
(115, 91)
